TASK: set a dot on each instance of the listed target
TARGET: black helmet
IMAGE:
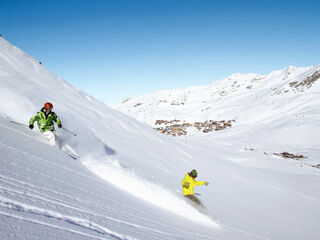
(193, 173)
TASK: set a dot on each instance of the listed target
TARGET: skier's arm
(56, 119)
(34, 119)
(198, 183)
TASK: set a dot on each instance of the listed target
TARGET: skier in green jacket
(45, 119)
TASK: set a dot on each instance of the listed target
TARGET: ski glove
(59, 126)
(31, 126)
(206, 183)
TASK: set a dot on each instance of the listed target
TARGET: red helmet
(48, 105)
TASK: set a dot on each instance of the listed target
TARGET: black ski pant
(194, 199)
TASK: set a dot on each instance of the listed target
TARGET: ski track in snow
(84, 223)
(29, 187)
(44, 160)
(49, 225)
(27, 190)
(246, 233)
(66, 206)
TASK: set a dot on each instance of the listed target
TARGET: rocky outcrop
(316, 166)
(290, 155)
(306, 83)
(178, 128)
(138, 104)
(299, 86)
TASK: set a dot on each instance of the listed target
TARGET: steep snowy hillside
(125, 183)
(45, 194)
(117, 148)
(101, 131)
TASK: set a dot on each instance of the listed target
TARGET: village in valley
(179, 128)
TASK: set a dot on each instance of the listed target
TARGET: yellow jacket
(187, 190)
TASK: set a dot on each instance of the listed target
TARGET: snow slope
(126, 181)
(277, 112)
(45, 193)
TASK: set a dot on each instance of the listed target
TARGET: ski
(72, 156)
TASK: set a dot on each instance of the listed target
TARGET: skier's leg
(51, 137)
(196, 203)
(194, 199)
(58, 139)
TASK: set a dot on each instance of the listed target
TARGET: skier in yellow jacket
(188, 184)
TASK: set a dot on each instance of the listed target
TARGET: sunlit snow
(126, 180)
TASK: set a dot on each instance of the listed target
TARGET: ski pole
(69, 131)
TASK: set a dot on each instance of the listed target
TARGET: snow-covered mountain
(125, 183)
(288, 96)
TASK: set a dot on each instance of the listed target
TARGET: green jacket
(45, 121)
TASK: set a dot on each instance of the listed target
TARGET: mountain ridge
(231, 98)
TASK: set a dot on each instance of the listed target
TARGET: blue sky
(124, 48)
